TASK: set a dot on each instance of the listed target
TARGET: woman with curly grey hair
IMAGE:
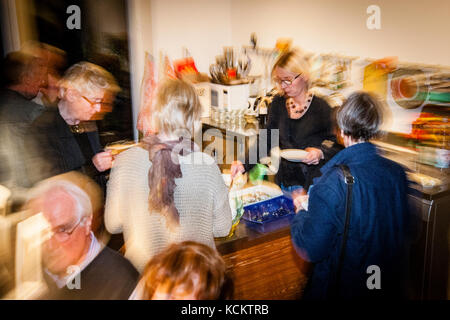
(379, 221)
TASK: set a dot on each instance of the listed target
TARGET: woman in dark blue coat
(375, 260)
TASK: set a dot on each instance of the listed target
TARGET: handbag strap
(349, 181)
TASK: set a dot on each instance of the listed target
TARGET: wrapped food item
(254, 197)
(166, 68)
(185, 66)
(239, 181)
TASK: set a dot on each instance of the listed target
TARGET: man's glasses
(287, 82)
(62, 235)
(93, 103)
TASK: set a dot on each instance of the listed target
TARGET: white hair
(87, 78)
(83, 205)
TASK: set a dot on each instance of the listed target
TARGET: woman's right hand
(300, 199)
(236, 167)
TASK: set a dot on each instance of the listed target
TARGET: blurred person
(66, 139)
(22, 79)
(96, 196)
(380, 223)
(304, 122)
(72, 250)
(166, 190)
(48, 95)
(185, 271)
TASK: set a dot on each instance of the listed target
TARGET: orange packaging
(231, 73)
(185, 66)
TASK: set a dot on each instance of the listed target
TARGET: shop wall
(159, 26)
(202, 26)
(413, 30)
(140, 41)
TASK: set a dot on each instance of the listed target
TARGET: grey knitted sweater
(201, 198)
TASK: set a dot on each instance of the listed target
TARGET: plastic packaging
(269, 215)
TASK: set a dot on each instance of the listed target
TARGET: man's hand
(103, 161)
(314, 156)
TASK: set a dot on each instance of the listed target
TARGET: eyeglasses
(93, 103)
(287, 82)
(62, 235)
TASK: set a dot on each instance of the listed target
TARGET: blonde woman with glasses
(304, 122)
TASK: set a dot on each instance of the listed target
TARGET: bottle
(257, 173)
(263, 110)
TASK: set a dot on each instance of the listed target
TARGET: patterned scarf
(163, 172)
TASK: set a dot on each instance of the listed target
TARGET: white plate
(294, 155)
(118, 148)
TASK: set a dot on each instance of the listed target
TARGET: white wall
(154, 26)
(140, 41)
(413, 30)
(202, 26)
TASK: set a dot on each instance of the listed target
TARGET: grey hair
(87, 78)
(361, 116)
(83, 205)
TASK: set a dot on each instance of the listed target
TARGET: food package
(185, 66)
(240, 197)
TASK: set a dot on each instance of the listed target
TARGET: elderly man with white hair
(67, 137)
(72, 250)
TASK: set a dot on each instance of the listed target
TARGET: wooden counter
(264, 266)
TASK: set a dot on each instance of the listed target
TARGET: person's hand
(236, 167)
(103, 161)
(300, 202)
(299, 196)
(314, 156)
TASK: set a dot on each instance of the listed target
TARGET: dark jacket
(108, 277)
(61, 150)
(379, 226)
(16, 115)
(314, 129)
